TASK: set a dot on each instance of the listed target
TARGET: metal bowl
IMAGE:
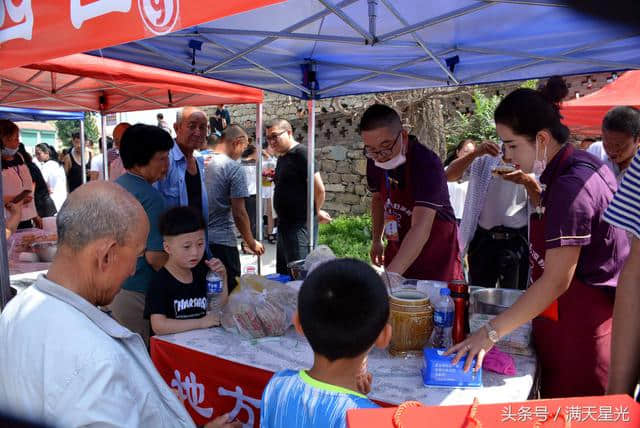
(45, 251)
(298, 272)
(493, 301)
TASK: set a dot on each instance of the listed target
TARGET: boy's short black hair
(343, 306)
(625, 119)
(181, 220)
(141, 142)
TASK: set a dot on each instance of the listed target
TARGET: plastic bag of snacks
(259, 307)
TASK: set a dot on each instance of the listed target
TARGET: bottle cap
(445, 292)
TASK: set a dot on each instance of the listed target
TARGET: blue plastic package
(279, 278)
(438, 371)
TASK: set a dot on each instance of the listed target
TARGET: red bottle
(460, 295)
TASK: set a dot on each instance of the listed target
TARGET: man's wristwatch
(492, 333)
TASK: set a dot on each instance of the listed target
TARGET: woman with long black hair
(576, 256)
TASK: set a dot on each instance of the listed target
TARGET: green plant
(478, 125)
(66, 128)
(348, 236)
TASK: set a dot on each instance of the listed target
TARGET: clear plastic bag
(319, 255)
(259, 307)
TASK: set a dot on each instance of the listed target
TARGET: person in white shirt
(620, 139)
(77, 366)
(493, 231)
(53, 173)
(96, 169)
(458, 188)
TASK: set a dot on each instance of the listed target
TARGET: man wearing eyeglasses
(290, 195)
(410, 205)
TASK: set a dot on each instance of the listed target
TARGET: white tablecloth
(395, 380)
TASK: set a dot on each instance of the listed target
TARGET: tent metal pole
(528, 3)
(43, 92)
(293, 36)
(382, 71)
(434, 21)
(373, 14)
(538, 61)
(105, 159)
(420, 41)
(152, 49)
(5, 281)
(82, 152)
(259, 134)
(313, 18)
(311, 151)
(337, 10)
(374, 74)
(552, 58)
(260, 66)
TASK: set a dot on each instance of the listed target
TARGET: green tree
(66, 128)
(478, 125)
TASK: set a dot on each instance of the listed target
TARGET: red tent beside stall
(584, 115)
(82, 82)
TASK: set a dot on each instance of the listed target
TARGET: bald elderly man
(65, 362)
(184, 184)
(116, 169)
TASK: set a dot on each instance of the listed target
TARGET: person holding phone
(16, 178)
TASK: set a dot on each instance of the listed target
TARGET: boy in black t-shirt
(177, 297)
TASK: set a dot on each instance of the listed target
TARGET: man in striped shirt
(624, 212)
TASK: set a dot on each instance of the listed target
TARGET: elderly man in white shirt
(65, 362)
(620, 139)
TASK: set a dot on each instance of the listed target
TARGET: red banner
(210, 386)
(37, 30)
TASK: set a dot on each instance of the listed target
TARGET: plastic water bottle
(215, 289)
(251, 270)
(443, 320)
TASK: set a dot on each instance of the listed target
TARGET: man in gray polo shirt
(227, 189)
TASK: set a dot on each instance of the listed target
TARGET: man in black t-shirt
(290, 195)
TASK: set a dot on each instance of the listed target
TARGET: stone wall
(339, 148)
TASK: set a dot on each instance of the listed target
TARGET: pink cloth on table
(499, 362)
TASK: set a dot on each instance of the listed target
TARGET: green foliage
(478, 125)
(67, 127)
(348, 236)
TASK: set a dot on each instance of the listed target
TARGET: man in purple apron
(410, 203)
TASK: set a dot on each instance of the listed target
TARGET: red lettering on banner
(81, 13)
(20, 22)
(159, 16)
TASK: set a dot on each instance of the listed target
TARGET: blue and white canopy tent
(314, 49)
(17, 114)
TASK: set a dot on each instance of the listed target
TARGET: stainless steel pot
(298, 272)
(493, 301)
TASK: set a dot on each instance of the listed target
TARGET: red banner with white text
(210, 386)
(36, 30)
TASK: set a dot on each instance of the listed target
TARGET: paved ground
(268, 259)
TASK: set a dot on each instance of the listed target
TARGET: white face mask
(539, 165)
(394, 162)
(9, 152)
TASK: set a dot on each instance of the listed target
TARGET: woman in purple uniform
(576, 256)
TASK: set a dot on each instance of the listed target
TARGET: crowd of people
(532, 211)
